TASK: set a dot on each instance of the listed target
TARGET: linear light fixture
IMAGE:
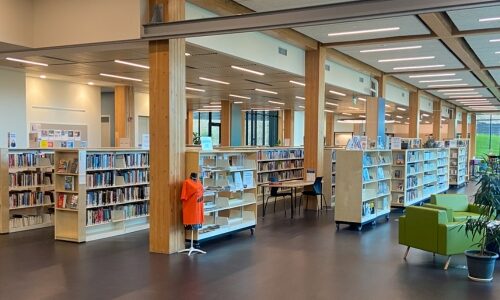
(43, 76)
(300, 98)
(387, 115)
(297, 83)
(489, 19)
(331, 103)
(401, 108)
(207, 109)
(195, 89)
(267, 91)
(215, 103)
(387, 106)
(238, 102)
(187, 54)
(455, 90)
(212, 106)
(441, 80)
(399, 117)
(361, 99)
(351, 121)
(497, 52)
(362, 116)
(301, 106)
(418, 67)
(131, 64)
(90, 83)
(248, 70)
(120, 77)
(328, 111)
(432, 75)
(337, 93)
(406, 59)
(30, 62)
(213, 80)
(494, 40)
(465, 96)
(461, 93)
(425, 115)
(364, 31)
(276, 102)
(352, 107)
(390, 49)
(346, 114)
(445, 85)
(238, 96)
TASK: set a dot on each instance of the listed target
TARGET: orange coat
(192, 210)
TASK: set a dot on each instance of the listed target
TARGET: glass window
(261, 128)
(207, 124)
(487, 134)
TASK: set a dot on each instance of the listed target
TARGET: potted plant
(196, 138)
(481, 263)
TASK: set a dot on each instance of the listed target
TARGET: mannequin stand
(192, 249)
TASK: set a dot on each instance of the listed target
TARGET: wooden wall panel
(465, 125)
(288, 126)
(330, 123)
(436, 120)
(414, 114)
(189, 127)
(473, 127)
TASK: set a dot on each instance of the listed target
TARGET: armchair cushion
(457, 202)
(462, 216)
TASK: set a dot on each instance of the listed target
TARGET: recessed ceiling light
(213, 80)
(297, 83)
(266, 91)
(120, 77)
(454, 90)
(300, 98)
(362, 99)
(364, 31)
(352, 107)
(43, 76)
(444, 85)
(187, 54)
(337, 93)
(247, 70)
(494, 40)
(276, 102)
(390, 49)
(441, 80)
(131, 64)
(211, 106)
(238, 102)
(332, 104)
(432, 75)
(399, 117)
(418, 67)
(90, 83)
(194, 89)
(328, 111)
(27, 61)
(489, 19)
(346, 114)
(401, 108)
(406, 59)
(301, 106)
(238, 96)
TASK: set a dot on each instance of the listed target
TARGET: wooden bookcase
(26, 189)
(100, 193)
(229, 178)
(458, 165)
(416, 174)
(330, 173)
(365, 178)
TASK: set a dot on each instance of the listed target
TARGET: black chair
(276, 193)
(315, 190)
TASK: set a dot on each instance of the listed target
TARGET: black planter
(480, 267)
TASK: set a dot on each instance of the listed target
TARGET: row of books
(281, 164)
(134, 159)
(442, 162)
(442, 154)
(100, 179)
(67, 166)
(21, 199)
(29, 179)
(132, 176)
(414, 156)
(368, 176)
(283, 175)
(429, 166)
(413, 194)
(372, 159)
(442, 171)
(67, 201)
(414, 168)
(429, 190)
(383, 187)
(278, 154)
(428, 155)
(18, 160)
(412, 182)
(19, 221)
(100, 161)
(429, 178)
(116, 196)
(105, 215)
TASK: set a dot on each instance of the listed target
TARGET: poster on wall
(36, 127)
(50, 134)
(64, 135)
(77, 134)
(50, 144)
(70, 144)
(70, 135)
(12, 140)
(206, 143)
(44, 143)
(145, 141)
(57, 135)
(44, 133)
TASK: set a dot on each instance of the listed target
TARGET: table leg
(294, 197)
(263, 203)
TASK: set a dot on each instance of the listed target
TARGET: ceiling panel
(496, 75)
(485, 49)
(441, 78)
(408, 25)
(468, 19)
(481, 92)
(266, 5)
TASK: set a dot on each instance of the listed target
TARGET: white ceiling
(465, 77)
(482, 92)
(484, 49)
(467, 19)
(270, 5)
(496, 75)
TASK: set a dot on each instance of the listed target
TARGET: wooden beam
(167, 111)
(414, 114)
(330, 123)
(189, 127)
(381, 85)
(288, 126)
(436, 117)
(120, 113)
(379, 41)
(225, 124)
(473, 127)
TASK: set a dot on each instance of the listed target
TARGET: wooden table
(292, 184)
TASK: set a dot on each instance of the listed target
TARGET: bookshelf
(458, 165)
(27, 189)
(416, 174)
(100, 193)
(365, 177)
(330, 172)
(229, 179)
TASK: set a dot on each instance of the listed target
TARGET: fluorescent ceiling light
(425, 115)
(332, 104)
(364, 31)
(248, 70)
(406, 59)
(494, 40)
(301, 106)
(432, 75)
(297, 83)
(388, 106)
(276, 102)
(399, 117)
(461, 93)
(387, 115)
(131, 64)
(441, 80)
(187, 54)
(455, 90)
(489, 19)
(194, 89)
(215, 103)
(390, 49)
(207, 109)
(238, 96)
(120, 77)
(362, 99)
(337, 93)
(43, 76)
(427, 122)
(352, 107)
(362, 116)
(211, 106)
(346, 114)
(328, 111)
(238, 102)
(27, 61)
(90, 83)
(301, 98)
(266, 91)
(352, 121)
(418, 67)
(213, 80)
(445, 85)
(401, 108)
(497, 52)
(465, 96)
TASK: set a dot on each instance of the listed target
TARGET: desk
(293, 184)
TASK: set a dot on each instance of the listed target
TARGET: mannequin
(192, 208)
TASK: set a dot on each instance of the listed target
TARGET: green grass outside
(483, 142)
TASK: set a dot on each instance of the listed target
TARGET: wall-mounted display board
(46, 135)
(341, 138)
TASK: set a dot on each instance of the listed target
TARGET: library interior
(249, 149)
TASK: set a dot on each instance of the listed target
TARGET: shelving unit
(365, 178)
(458, 165)
(229, 178)
(101, 193)
(417, 174)
(330, 173)
(27, 189)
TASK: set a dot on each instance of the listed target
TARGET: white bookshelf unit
(330, 172)
(229, 178)
(458, 165)
(417, 174)
(365, 178)
(101, 193)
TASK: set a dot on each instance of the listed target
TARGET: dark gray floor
(300, 259)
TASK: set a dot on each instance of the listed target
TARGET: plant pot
(481, 267)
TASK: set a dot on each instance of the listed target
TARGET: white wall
(298, 128)
(141, 108)
(342, 127)
(59, 102)
(13, 107)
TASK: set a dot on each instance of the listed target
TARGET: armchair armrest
(453, 240)
(449, 211)
(477, 210)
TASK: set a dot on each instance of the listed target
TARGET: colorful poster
(36, 127)
(77, 134)
(206, 143)
(70, 135)
(12, 140)
(50, 144)
(44, 143)
(57, 135)
(70, 144)
(44, 133)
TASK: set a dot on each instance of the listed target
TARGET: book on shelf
(380, 173)
(67, 201)
(67, 166)
(366, 175)
(69, 183)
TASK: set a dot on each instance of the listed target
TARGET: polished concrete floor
(303, 258)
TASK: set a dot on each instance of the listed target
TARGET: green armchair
(428, 229)
(457, 206)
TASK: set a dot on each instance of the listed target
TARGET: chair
(315, 190)
(428, 229)
(275, 193)
(457, 206)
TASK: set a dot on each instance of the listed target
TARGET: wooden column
(452, 125)
(436, 123)
(330, 123)
(225, 124)
(189, 127)
(414, 114)
(281, 121)
(243, 128)
(375, 118)
(473, 135)
(288, 126)
(465, 124)
(167, 136)
(124, 114)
